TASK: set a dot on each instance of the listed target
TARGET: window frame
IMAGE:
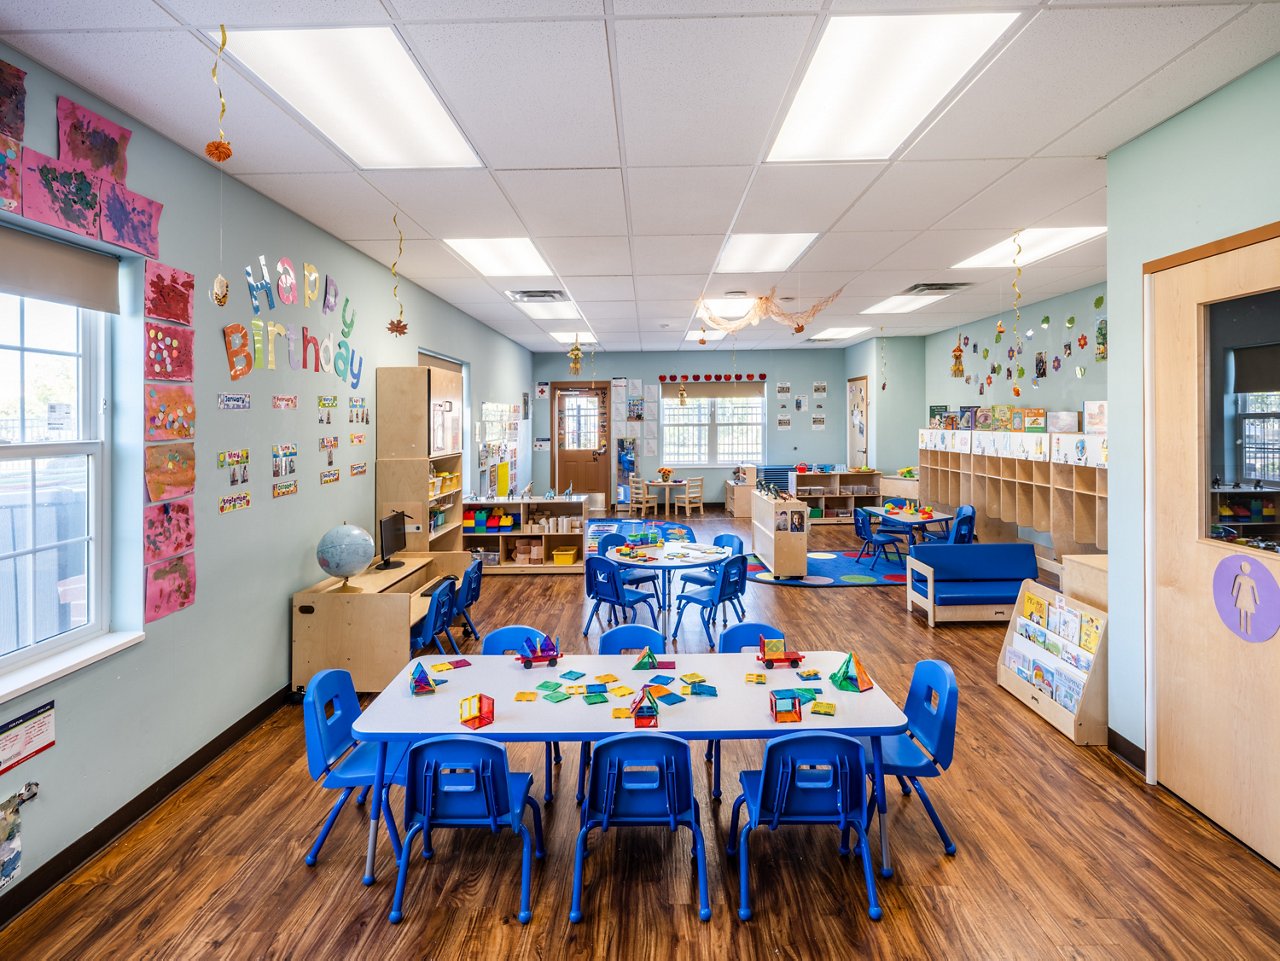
(713, 425)
(1242, 419)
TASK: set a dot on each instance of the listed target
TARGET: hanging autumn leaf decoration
(219, 151)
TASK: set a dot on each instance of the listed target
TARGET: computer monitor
(391, 537)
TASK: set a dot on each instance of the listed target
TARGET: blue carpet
(834, 569)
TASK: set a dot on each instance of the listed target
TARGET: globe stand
(347, 588)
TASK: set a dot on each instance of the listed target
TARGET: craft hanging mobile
(1017, 303)
(397, 326)
(765, 308)
(219, 151)
(957, 363)
(884, 364)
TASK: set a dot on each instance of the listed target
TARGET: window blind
(1257, 369)
(45, 269)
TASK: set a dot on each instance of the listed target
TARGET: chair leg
(711, 750)
(595, 608)
(397, 900)
(844, 842)
(947, 844)
(584, 753)
(744, 872)
(539, 851)
(869, 875)
(363, 795)
(715, 773)
(652, 613)
(680, 609)
(390, 819)
(328, 825)
(732, 847)
(555, 746)
(452, 642)
(700, 854)
(708, 618)
(906, 788)
(575, 907)
(466, 616)
(526, 871)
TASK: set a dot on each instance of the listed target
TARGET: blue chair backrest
(608, 542)
(640, 777)
(979, 562)
(862, 524)
(443, 600)
(962, 526)
(329, 708)
(603, 582)
(731, 541)
(672, 531)
(815, 774)
(933, 724)
(469, 589)
(745, 637)
(632, 637)
(458, 779)
(510, 640)
(731, 581)
(894, 502)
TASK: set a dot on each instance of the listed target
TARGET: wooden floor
(1063, 851)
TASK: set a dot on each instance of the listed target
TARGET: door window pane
(581, 422)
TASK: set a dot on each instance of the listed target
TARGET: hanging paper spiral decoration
(397, 326)
(219, 151)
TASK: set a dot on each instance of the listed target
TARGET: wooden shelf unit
(836, 494)
(501, 545)
(785, 553)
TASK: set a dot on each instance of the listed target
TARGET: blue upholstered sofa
(968, 582)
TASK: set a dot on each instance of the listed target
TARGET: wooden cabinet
(780, 534)
(528, 545)
(831, 497)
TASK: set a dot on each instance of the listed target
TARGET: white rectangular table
(740, 711)
(909, 519)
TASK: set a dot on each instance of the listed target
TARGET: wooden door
(582, 438)
(1217, 709)
(859, 400)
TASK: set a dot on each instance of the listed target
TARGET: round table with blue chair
(706, 578)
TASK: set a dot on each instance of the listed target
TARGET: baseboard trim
(44, 878)
(1127, 751)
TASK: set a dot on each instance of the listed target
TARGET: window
(718, 424)
(581, 422)
(1259, 421)
(51, 470)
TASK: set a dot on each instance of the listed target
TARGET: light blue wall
(1060, 390)
(897, 405)
(1207, 173)
(125, 722)
(800, 367)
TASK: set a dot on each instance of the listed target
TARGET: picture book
(1063, 421)
(1001, 417)
(1035, 609)
(1095, 416)
(1067, 691)
(1017, 420)
(1019, 663)
(1042, 677)
(968, 417)
(1077, 657)
(982, 419)
(1090, 632)
(1031, 631)
(951, 420)
(1052, 643)
(1034, 420)
(937, 415)
(1054, 621)
(1069, 624)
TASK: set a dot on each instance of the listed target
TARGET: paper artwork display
(10, 175)
(170, 412)
(167, 293)
(356, 439)
(233, 402)
(360, 469)
(284, 488)
(56, 194)
(169, 470)
(783, 389)
(284, 460)
(325, 404)
(329, 443)
(819, 422)
(171, 586)
(236, 463)
(284, 401)
(233, 502)
(169, 352)
(13, 101)
(168, 529)
(819, 390)
(89, 142)
(330, 476)
(784, 422)
(10, 841)
(130, 220)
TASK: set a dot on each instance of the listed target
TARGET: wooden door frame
(848, 422)
(556, 387)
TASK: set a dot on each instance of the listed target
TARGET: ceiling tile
(800, 198)
(587, 256)
(600, 288)
(496, 9)
(850, 252)
(1090, 211)
(1063, 67)
(687, 287)
(421, 259)
(608, 310)
(344, 204)
(676, 255)
(1030, 192)
(872, 283)
(297, 14)
(708, 7)
(704, 91)
(614, 326)
(535, 93)
(567, 203)
(59, 14)
(939, 249)
(504, 315)
(664, 311)
(464, 290)
(684, 200)
(453, 204)
(918, 195)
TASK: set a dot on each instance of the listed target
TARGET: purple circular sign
(1247, 598)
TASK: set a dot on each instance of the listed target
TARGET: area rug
(833, 569)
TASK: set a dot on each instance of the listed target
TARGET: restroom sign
(1247, 598)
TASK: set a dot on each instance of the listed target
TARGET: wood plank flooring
(1063, 851)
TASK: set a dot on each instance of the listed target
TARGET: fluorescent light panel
(729, 308)
(502, 257)
(839, 333)
(569, 336)
(761, 253)
(563, 310)
(904, 303)
(872, 81)
(1037, 243)
(362, 90)
(710, 335)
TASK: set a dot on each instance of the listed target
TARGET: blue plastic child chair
(730, 586)
(510, 640)
(437, 620)
(335, 758)
(811, 777)
(641, 778)
(468, 594)
(876, 541)
(632, 576)
(462, 781)
(605, 584)
(707, 576)
(958, 531)
(733, 640)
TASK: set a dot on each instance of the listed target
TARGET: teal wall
(1206, 173)
(1060, 390)
(897, 404)
(126, 721)
(800, 367)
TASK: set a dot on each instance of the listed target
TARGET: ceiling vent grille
(941, 288)
(537, 296)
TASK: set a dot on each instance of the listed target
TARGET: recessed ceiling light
(696, 335)
(357, 85)
(839, 333)
(872, 80)
(729, 308)
(565, 311)
(502, 257)
(761, 253)
(1037, 243)
(904, 303)
(569, 336)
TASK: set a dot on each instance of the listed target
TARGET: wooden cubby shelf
(835, 495)
(529, 548)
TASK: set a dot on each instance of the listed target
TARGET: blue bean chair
(462, 781)
(635, 577)
(733, 640)
(640, 778)
(335, 758)
(958, 531)
(875, 541)
(730, 586)
(605, 584)
(707, 576)
(806, 778)
(510, 640)
(926, 749)
(437, 620)
(468, 594)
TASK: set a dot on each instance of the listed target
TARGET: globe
(344, 552)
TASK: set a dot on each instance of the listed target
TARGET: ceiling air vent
(950, 288)
(537, 296)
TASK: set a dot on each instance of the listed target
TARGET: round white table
(670, 557)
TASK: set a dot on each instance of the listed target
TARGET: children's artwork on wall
(357, 439)
(171, 586)
(284, 460)
(169, 470)
(284, 401)
(330, 476)
(13, 101)
(325, 404)
(284, 488)
(10, 175)
(360, 469)
(92, 143)
(1042, 364)
(58, 195)
(234, 401)
(167, 293)
(168, 529)
(169, 352)
(130, 220)
(170, 411)
(233, 502)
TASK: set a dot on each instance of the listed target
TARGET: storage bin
(564, 555)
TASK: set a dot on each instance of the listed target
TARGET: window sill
(34, 674)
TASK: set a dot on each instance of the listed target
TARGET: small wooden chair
(690, 498)
(642, 500)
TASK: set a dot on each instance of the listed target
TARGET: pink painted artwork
(58, 195)
(130, 220)
(171, 586)
(13, 100)
(169, 470)
(168, 529)
(167, 293)
(170, 411)
(10, 175)
(92, 143)
(169, 352)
